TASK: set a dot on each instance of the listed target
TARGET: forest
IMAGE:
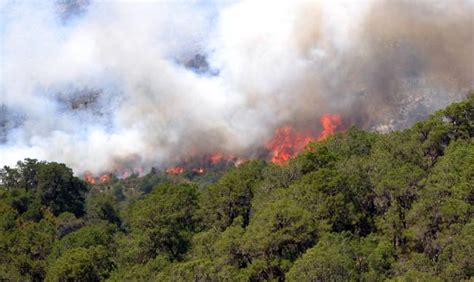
(357, 206)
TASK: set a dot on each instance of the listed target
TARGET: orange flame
(199, 165)
(216, 158)
(330, 123)
(89, 177)
(175, 170)
(287, 142)
(104, 178)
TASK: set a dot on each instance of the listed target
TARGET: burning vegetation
(175, 170)
(101, 179)
(287, 141)
(105, 177)
(200, 165)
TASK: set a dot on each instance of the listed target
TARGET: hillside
(357, 206)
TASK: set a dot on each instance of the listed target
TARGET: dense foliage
(357, 206)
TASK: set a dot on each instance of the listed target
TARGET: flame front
(330, 123)
(175, 170)
(216, 158)
(287, 142)
(104, 178)
(89, 177)
(201, 164)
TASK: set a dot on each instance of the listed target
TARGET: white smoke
(103, 85)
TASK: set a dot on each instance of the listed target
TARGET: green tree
(28, 170)
(455, 261)
(28, 245)
(66, 223)
(446, 202)
(88, 236)
(275, 237)
(81, 264)
(59, 190)
(102, 206)
(161, 224)
(396, 177)
(9, 178)
(230, 197)
(330, 260)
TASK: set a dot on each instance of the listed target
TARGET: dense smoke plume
(103, 85)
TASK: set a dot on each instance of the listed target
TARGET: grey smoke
(102, 85)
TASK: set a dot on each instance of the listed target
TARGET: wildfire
(89, 177)
(104, 178)
(117, 172)
(175, 170)
(287, 142)
(201, 164)
(330, 123)
(216, 158)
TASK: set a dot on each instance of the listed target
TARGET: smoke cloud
(103, 85)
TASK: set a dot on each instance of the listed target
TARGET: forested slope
(356, 206)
